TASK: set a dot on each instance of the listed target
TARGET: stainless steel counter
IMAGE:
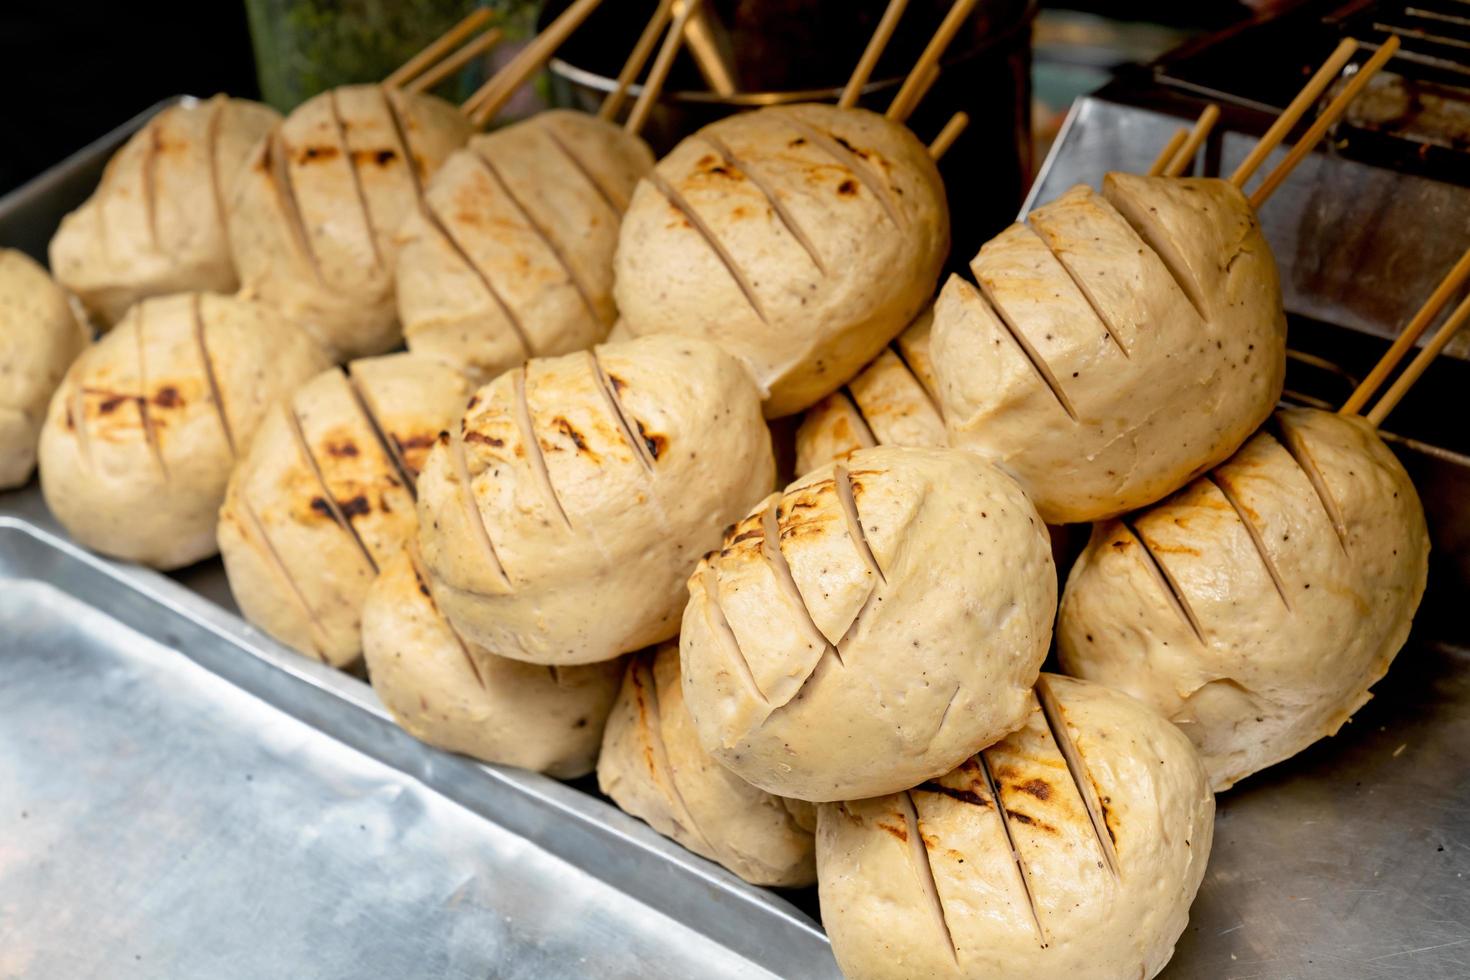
(182, 797)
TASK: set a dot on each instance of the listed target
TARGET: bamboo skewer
(657, 75)
(1409, 336)
(931, 77)
(910, 94)
(1329, 116)
(455, 62)
(1185, 155)
(494, 94)
(446, 42)
(637, 59)
(1442, 336)
(1293, 113)
(705, 51)
(949, 134)
(1166, 155)
(864, 70)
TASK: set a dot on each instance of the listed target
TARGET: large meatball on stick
(156, 223)
(800, 238)
(893, 401)
(1115, 345)
(1258, 605)
(510, 255)
(1071, 848)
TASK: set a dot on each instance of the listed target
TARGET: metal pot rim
(602, 83)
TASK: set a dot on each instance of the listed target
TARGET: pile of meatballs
(552, 533)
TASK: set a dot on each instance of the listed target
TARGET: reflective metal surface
(181, 797)
(1353, 859)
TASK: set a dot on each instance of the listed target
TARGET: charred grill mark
(390, 447)
(788, 220)
(1082, 288)
(415, 442)
(437, 223)
(1222, 483)
(900, 833)
(534, 454)
(570, 431)
(341, 519)
(420, 443)
(421, 577)
(355, 506)
(1291, 441)
(742, 537)
(1051, 713)
(201, 340)
(168, 397)
(1023, 818)
(381, 158)
(616, 202)
(258, 536)
(150, 432)
(920, 856)
(1165, 581)
(110, 399)
(843, 152)
(654, 443)
(1038, 364)
(1005, 826)
(611, 391)
(467, 501)
(318, 154)
(1038, 788)
(476, 436)
(954, 793)
(352, 168)
(540, 231)
(848, 500)
(677, 201)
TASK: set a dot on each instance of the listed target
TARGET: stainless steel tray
(182, 797)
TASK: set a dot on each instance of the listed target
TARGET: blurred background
(72, 71)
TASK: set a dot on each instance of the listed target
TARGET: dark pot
(803, 50)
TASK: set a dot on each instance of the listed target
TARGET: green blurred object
(303, 47)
